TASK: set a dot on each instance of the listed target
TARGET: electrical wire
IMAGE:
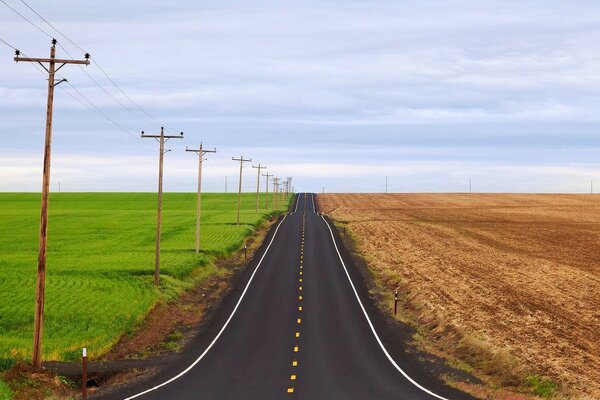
(98, 111)
(52, 26)
(26, 19)
(8, 44)
(90, 105)
(112, 81)
(117, 101)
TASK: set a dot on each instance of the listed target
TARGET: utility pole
(470, 191)
(40, 284)
(275, 202)
(242, 161)
(282, 192)
(201, 152)
(267, 175)
(258, 168)
(323, 191)
(162, 138)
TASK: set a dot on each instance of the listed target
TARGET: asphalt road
(300, 326)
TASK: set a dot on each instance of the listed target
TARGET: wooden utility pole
(258, 168)
(200, 152)
(162, 138)
(40, 284)
(267, 176)
(275, 199)
(242, 161)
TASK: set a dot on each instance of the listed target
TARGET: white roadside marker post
(84, 373)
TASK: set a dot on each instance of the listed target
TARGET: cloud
(259, 76)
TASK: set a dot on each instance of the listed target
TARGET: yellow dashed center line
(293, 377)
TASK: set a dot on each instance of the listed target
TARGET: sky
(336, 94)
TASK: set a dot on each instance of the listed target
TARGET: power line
(69, 54)
(137, 106)
(52, 26)
(8, 44)
(123, 92)
(90, 105)
(26, 19)
(98, 111)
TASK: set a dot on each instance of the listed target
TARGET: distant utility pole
(258, 168)
(242, 161)
(281, 193)
(470, 191)
(40, 284)
(275, 185)
(287, 187)
(267, 176)
(162, 138)
(201, 152)
(386, 185)
(323, 190)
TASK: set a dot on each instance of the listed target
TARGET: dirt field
(508, 283)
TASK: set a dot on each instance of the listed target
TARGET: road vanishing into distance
(298, 325)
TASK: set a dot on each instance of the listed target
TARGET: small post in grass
(245, 251)
(84, 373)
(395, 302)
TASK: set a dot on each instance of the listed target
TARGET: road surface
(299, 326)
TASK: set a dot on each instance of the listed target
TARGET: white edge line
(185, 371)
(371, 324)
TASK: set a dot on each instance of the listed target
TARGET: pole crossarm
(201, 151)
(49, 60)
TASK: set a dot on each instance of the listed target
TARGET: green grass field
(101, 262)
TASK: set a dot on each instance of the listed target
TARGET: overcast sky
(337, 94)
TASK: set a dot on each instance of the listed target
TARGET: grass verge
(5, 392)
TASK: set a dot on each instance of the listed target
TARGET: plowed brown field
(517, 276)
